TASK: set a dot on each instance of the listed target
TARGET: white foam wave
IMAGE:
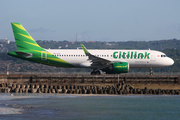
(9, 111)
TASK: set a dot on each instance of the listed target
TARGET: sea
(87, 107)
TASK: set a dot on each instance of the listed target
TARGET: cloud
(41, 30)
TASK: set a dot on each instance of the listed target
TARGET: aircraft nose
(170, 61)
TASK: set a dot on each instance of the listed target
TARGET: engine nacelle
(117, 68)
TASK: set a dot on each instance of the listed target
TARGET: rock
(7, 90)
(115, 92)
(20, 90)
(14, 85)
(17, 90)
(32, 86)
(37, 86)
(53, 91)
(9, 85)
(18, 86)
(27, 86)
(33, 90)
(141, 91)
(150, 91)
(51, 86)
(59, 90)
(46, 86)
(90, 91)
(172, 92)
(80, 91)
(163, 92)
(26, 90)
(45, 90)
(64, 91)
(39, 90)
(146, 91)
(76, 91)
(49, 90)
(101, 91)
(23, 86)
(59, 87)
(42, 86)
(120, 92)
(131, 91)
(104, 91)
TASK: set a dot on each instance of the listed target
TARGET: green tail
(23, 39)
(29, 50)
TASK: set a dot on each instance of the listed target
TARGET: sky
(92, 20)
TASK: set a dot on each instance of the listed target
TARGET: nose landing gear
(151, 72)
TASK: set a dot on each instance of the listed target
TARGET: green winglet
(85, 51)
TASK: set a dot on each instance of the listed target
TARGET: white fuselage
(135, 58)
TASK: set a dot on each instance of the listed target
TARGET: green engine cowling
(117, 68)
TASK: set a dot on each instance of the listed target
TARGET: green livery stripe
(26, 36)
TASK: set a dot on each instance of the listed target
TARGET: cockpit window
(163, 56)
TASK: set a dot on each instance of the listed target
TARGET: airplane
(108, 61)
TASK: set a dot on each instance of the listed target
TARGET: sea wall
(89, 84)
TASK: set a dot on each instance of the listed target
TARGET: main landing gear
(151, 72)
(97, 72)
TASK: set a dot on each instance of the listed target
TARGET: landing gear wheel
(93, 73)
(151, 72)
(98, 72)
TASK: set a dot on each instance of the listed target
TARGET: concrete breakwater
(91, 84)
(117, 89)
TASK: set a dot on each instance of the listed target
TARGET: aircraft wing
(96, 60)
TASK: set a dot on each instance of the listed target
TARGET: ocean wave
(4, 110)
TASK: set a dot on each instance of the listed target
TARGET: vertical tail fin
(23, 39)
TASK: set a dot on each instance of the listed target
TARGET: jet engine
(117, 68)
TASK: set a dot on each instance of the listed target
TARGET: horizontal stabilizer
(27, 55)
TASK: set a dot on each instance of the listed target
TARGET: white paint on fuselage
(78, 58)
